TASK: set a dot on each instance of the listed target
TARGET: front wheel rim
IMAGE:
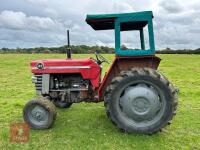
(38, 115)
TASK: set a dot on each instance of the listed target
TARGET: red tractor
(136, 96)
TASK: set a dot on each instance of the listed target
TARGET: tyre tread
(135, 72)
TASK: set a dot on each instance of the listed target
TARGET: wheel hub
(38, 115)
(140, 102)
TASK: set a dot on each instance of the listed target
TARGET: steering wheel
(101, 59)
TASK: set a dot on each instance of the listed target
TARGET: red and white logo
(19, 132)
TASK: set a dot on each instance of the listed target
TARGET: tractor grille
(37, 79)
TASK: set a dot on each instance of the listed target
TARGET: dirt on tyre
(39, 113)
(141, 100)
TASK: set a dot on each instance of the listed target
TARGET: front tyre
(141, 101)
(39, 113)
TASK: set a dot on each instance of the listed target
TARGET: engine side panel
(126, 63)
(88, 68)
(70, 87)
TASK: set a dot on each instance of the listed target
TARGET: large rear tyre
(141, 101)
(39, 113)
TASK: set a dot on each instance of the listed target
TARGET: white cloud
(172, 6)
(38, 2)
(13, 20)
(19, 21)
(123, 7)
(44, 22)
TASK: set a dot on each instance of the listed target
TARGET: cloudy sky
(34, 23)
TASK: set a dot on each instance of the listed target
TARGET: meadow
(85, 125)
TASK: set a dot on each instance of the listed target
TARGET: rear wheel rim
(141, 104)
(38, 115)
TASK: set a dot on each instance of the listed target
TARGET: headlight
(40, 66)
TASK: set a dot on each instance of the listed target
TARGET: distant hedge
(184, 51)
(83, 49)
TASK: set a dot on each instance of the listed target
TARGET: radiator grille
(38, 81)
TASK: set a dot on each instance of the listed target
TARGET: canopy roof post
(142, 39)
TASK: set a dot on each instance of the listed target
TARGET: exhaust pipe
(68, 46)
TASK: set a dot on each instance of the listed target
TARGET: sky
(36, 23)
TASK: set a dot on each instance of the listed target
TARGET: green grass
(85, 125)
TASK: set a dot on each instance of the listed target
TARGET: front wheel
(39, 113)
(141, 101)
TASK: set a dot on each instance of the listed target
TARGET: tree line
(84, 49)
(80, 49)
(183, 51)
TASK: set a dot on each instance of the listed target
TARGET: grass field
(85, 125)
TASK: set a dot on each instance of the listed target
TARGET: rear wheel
(141, 100)
(39, 113)
(62, 104)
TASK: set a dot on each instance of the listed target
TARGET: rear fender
(125, 63)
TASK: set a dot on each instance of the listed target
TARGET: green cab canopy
(129, 21)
